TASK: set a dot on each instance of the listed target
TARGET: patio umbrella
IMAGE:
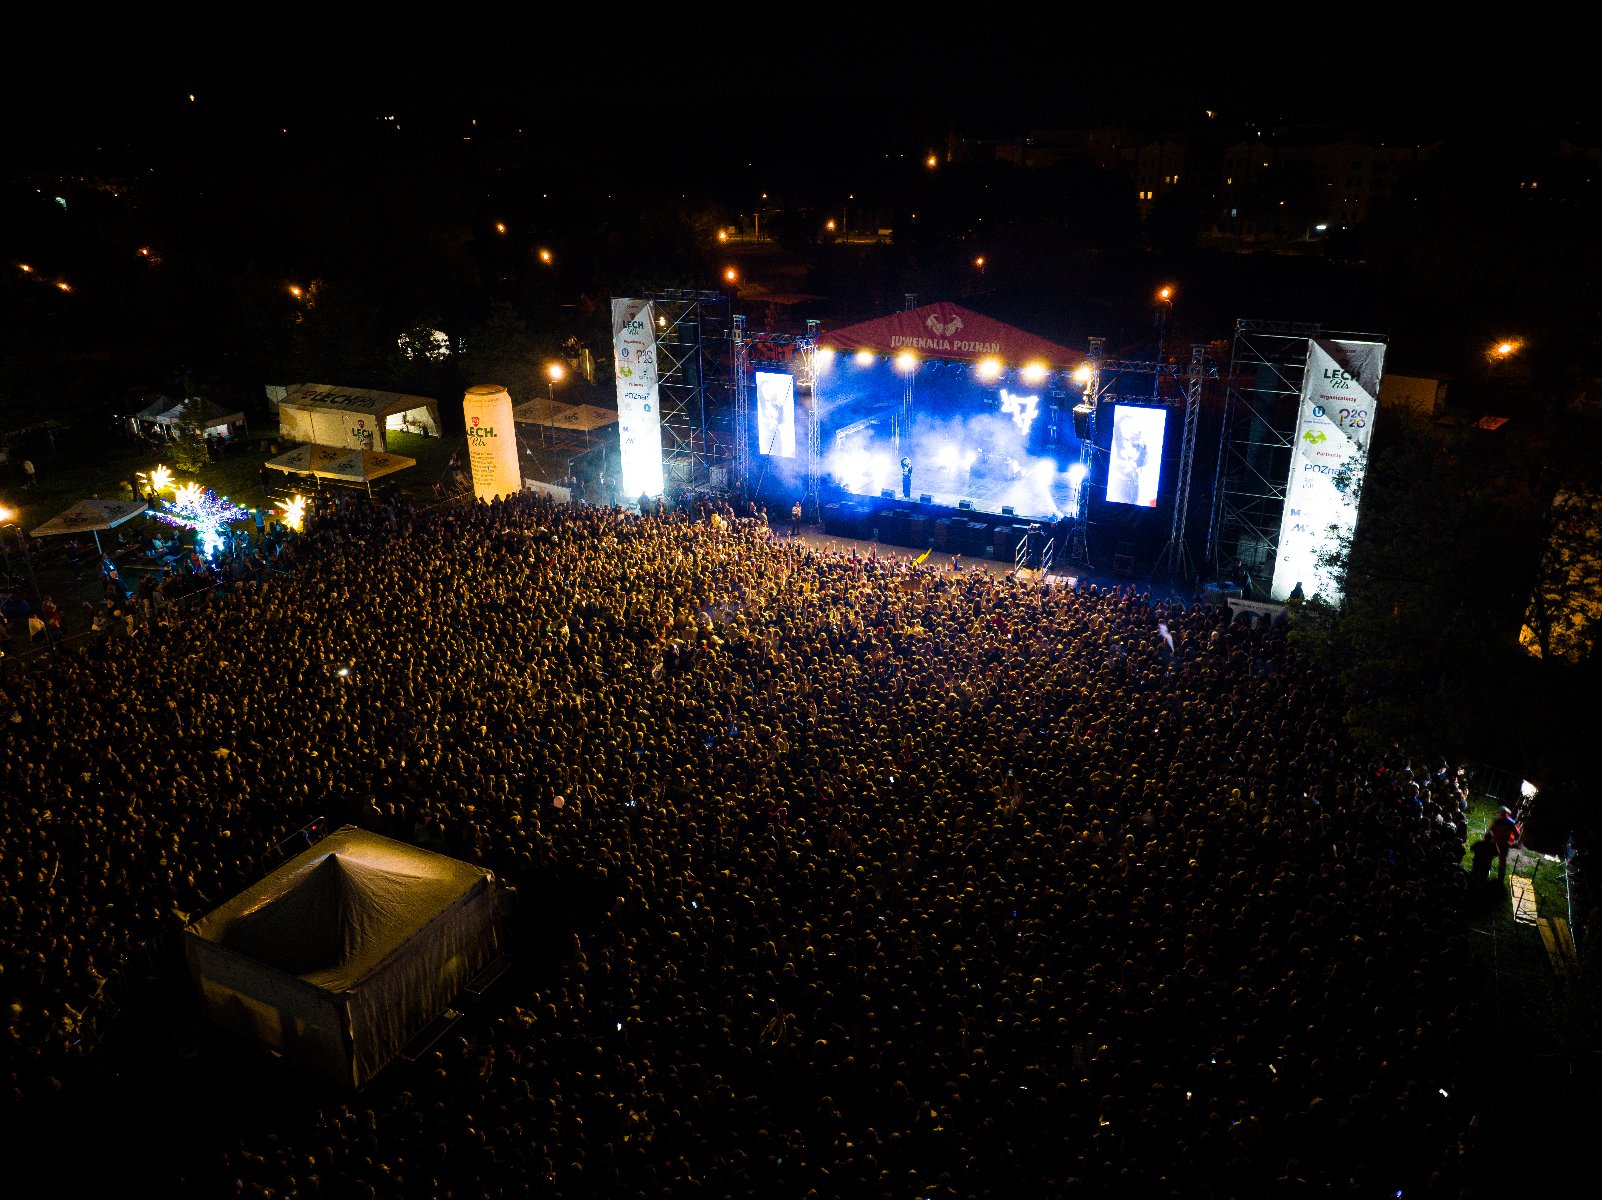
(91, 516)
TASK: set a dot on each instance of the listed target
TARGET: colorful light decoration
(202, 510)
(160, 478)
(295, 512)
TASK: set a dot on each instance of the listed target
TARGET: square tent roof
(90, 516)
(327, 397)
(334, 462)
(215, 415)
(333, 914)
(950, 331)
(582, 418)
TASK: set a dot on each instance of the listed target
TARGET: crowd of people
(848, 876)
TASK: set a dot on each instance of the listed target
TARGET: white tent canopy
(215, 416)
(91, 516)
(332, 462)
(351, 418)
(346, 952)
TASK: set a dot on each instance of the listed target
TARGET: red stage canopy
(950, 331)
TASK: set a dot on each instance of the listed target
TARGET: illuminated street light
(730, 275)
(1505, 349)
(296, 292)
(545, 256)
(723, 235)
(829, 225)
(500, 226)
(26, 269)
(556, 371)
(64, 285)
(1034, 372)
(1165, 294)
(931, 162)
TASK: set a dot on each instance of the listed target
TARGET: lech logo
(1314, 436)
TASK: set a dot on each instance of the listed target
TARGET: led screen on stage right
(776, 413)
(1136, 463)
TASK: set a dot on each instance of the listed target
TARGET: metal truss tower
(1266, 362)
(796, 354)
(1190, 379)
(696, 381)
(1078, 548)
(1175, 558)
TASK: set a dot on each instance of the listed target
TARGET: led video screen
(1136, 461)
(775, 414)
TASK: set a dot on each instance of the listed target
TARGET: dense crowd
(855, 877)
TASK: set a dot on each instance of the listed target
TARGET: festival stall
(350, 418)
(345, 953)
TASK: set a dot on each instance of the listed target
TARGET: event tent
(215, 417)
(91, 516)
(346, 952)
(351, 418)
(950, 331)
(347, 466)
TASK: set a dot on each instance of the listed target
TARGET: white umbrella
(91, 516)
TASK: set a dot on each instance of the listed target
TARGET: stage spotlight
(1045, 471)
(906, 362)
(1034, 372)
(823, 360)
(947, 457)
(1083, 373)
(863, 358)
(1077, 473)
(989, 368)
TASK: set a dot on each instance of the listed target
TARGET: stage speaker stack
(965, 505)
(892, 524)
(1005, 539)
(1082, 415)
(916, 526)
(975, 538)
(942, 533)
(833, 522)
(925, 498)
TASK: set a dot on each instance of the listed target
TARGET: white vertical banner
(491, 442)
(1339, 387)
(638, 405)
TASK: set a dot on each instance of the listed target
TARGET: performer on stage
(906, 479)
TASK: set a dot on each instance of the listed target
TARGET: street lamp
(555, 372)
(8, 521)
(730, 275)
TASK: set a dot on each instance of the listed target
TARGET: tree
(189, 447)
(1426, 635)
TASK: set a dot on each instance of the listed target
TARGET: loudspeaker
(925, 498)
(1082, 415)
(965, 504)
(1008, 510)
(887, 494)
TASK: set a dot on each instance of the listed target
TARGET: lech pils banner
(491, 443)
(638, 408)
(1329, 455)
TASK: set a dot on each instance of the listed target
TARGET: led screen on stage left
(1136, 463)
(775, 414)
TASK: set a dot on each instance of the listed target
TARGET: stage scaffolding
(1105, 386)
(696, 381)
(1266, 362)
(796, 354)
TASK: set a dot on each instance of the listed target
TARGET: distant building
(1421, 394)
